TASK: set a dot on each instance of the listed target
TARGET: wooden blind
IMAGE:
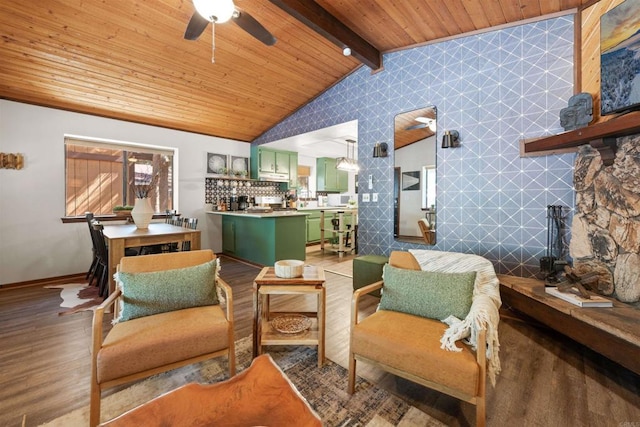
(304, 170)
(96, 171)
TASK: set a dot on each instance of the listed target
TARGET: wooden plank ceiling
(127, 59)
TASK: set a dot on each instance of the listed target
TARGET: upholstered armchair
(430, 302)
(168, 314)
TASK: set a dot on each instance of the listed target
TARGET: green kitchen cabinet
(313, 224)
(263, 239)
(283, 160)
(293, 170)
(328, 178)
(266, 161)
(313, 229)
(343, 181)
(229, 236)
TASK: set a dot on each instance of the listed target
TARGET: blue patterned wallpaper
(494, 88)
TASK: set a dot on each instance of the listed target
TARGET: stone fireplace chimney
(605, 234)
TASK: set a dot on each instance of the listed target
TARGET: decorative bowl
(291, 323)
(289, 268)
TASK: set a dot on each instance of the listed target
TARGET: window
(100, 175)
(303, 181)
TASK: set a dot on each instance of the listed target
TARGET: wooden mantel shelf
(602, 136)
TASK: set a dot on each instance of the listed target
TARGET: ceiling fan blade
(253, 27)
(196, 26)
(418, 126)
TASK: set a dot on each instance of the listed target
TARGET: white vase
(142, 212)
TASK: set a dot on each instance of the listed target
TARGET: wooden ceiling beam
(324, 23)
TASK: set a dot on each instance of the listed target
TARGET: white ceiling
(327, 142)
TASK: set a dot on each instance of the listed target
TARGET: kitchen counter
(263, 238)
(274, 214)
(329, 208)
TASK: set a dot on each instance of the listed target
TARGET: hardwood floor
(547, 379)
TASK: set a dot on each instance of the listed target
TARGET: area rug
(77, 297)
(324, 388)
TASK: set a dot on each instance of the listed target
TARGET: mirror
(414, 178)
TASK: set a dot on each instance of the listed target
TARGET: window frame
(125, 147)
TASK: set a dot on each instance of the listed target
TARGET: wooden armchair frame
(428, 234)
(148, 263)
(478, 399)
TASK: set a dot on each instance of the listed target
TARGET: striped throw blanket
(484, 308)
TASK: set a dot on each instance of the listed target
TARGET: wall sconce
(11, 161)
(450, 139)
(381, 149)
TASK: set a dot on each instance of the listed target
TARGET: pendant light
(349, 163)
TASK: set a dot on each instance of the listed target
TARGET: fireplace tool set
(553, 264)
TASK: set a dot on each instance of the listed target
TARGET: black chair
(170, 218)
(191, 223)
(91, 274)
(102, 272)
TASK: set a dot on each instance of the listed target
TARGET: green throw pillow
(144, 294)
(430, 294)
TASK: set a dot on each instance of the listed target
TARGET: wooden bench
(613, 331)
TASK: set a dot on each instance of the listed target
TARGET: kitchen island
(263, 238)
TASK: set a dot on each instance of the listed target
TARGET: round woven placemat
(291, 323)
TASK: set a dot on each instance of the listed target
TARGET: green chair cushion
(434, 295)
(145, 294)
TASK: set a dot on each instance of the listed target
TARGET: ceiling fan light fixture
(216, 11)
(431, 123)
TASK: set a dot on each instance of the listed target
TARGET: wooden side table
(267, 284)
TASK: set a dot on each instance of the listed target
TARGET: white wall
(412, 158)
(34, 243)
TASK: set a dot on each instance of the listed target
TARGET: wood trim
(77, 277)
(324, 23)
(103, 218)
(626, 124)
(577, 53)
(523, 153)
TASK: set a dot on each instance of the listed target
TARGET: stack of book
(576, 299)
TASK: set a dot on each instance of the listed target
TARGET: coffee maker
(243, 202)
(233, 203)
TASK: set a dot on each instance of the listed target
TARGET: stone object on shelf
(579, 113)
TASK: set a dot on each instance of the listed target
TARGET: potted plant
(120, 210)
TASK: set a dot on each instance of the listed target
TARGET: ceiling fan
(423, 122)
(220, 11)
